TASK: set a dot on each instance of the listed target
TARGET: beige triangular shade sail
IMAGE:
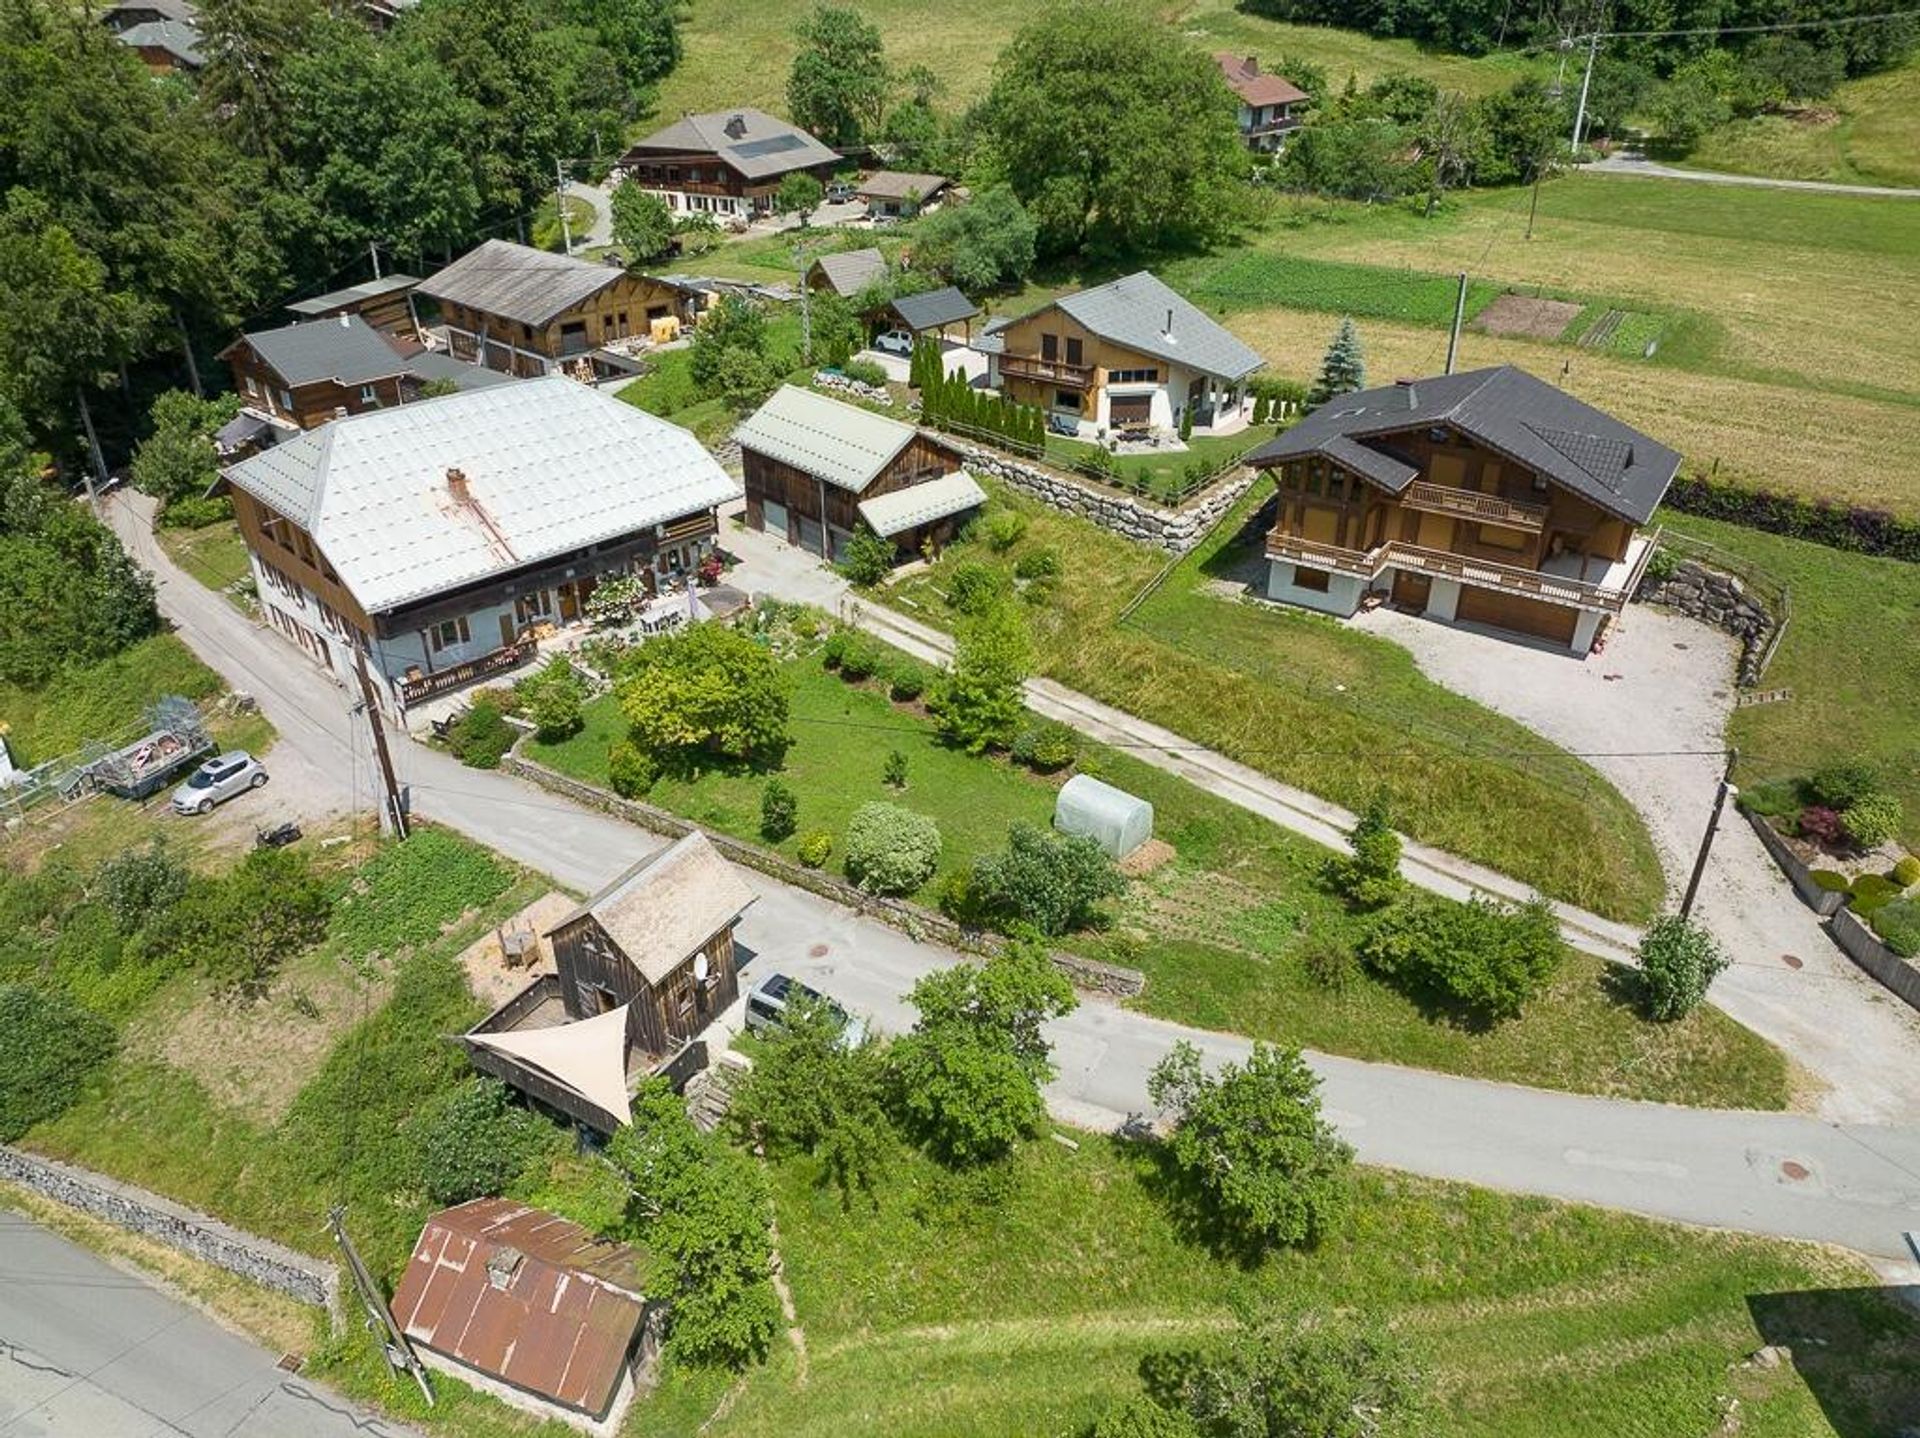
(589, 1056)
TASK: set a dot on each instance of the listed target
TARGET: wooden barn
(817, 470)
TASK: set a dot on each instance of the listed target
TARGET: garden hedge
(1854, 527)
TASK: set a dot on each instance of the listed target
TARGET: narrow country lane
(1786, 1175)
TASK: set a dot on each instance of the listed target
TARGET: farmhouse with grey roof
(817, 471)
(1130, 355)
(1489, 498)
(531, 312)
(441, 539)
(728, 163)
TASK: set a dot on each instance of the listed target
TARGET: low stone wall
(859, 389)
(1175, 530)
(1822, 901)
(1863, 946)
(921, 923)
(1722, 601)
(299, 1276)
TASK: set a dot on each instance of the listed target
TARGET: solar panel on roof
(772, 145)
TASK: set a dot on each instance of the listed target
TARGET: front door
(506, 630)
(1410, 589)
(569, 598)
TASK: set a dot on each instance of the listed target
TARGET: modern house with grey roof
(1127, 356)
(441, 540)
(1488, 498)
(818, 471)
(727, 164)
(530, 312)
(302, 376)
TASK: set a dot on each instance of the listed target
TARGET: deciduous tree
(838, 86)
(709, 689)
(1250, 1141)
(985, 245)
(978, 701)
(642, 222)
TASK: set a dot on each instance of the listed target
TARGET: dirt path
(1635, 164)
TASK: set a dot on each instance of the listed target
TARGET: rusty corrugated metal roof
(525, 1296)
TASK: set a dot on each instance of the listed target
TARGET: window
(1066, 399)
(1074, 351)
(286, 401)
(1049, 347)
(1133, 376)
(368, 395)
(529, 607)
(253, 386)
(1312, 580)
(448, 633)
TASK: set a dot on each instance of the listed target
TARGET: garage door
(1518, 613)
(838, 540)
(774, 518)
(810, 535)
(1131, 408)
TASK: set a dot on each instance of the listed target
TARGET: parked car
(767, 1008)
(840, 192)
(895, 342)
(217, 781)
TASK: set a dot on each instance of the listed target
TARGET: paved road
(1861, 1186)
(1634, 164)
(89, 1350)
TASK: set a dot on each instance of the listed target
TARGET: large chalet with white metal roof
(440, 539)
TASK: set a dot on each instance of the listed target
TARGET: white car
(217, 781)
(895, 342)
(767, 1007)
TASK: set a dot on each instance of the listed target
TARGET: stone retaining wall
(1175, 530)
(298, 1275)
(1863, 946)
(1822, 901)
(921, 923)
(1722, 601)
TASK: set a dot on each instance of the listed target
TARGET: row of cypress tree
(948, 400)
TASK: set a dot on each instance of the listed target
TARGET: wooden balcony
(1072, 376)
(1462, 569)
(694, 526)
(1471, 504)
(508, 656)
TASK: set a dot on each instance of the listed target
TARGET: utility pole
(400, 1353)
(560, 204)
(1586, 82)
(1706, 840)
(98, 474)
(1533, 205)
(396, 810)
(373, 253)
(1459, 314)
(806, 306)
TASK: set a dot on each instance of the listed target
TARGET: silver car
(767, 1008)
(217, 781)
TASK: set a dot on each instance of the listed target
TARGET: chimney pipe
(457, 486)
(1169, 321)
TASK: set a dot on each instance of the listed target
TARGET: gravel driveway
(1665, 684)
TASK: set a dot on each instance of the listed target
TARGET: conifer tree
(1344, 369)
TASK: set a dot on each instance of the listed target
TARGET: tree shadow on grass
(1856, 1349)
(1194, 1222)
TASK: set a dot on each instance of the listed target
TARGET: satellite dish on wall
(699, 968)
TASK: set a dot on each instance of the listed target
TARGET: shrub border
(1854, 528)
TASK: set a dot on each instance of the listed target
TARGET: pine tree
(1344, 369)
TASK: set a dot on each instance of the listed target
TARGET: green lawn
(214, 554)
(957, 1308)
(1314, 704)
(1220, 931)
(669, 391)
(1163, 475)
(1851, 656)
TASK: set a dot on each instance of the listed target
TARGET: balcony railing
(694, 526)
(1470, 504)
(426, 686)
(1482, 574)
(1074, 376)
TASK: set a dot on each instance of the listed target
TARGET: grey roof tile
(518, 282)
(346, 349)
(934, 308)
(843, 444)
(1135, 311)
(750, 141)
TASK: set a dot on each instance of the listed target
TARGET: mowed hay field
(1788, 362)
(960, 40)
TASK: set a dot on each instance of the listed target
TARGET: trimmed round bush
(1329, 964)
(907, 682)
(1046, 746)
(1679, 961)
(1873, 820)
(974, 588)
(1843, 784)
(860, 659)
(891, 850)
(479, 737)
(1906, 873)
(1898, 925)
(1831, 881)
(1871, 891)
(631, 770)
(816, 846)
